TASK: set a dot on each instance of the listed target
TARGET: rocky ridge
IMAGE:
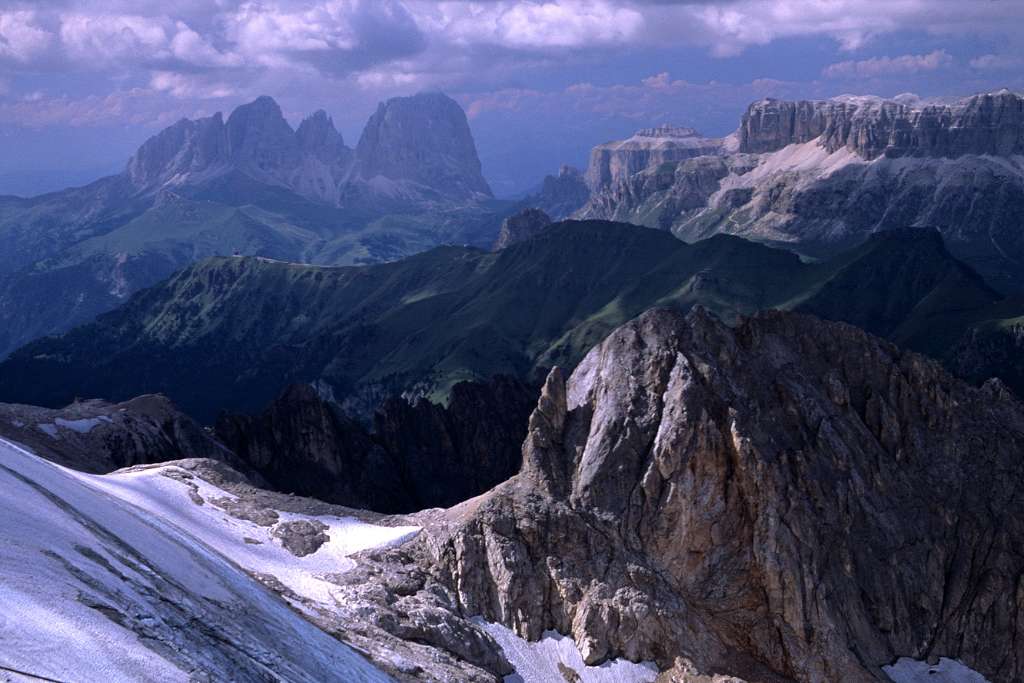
(820, 177)
(410, 145)
(521, 226)
(787, 500)
(984, 124)
(613, 162)
(99, 437)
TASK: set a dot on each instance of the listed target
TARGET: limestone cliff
(787, 500)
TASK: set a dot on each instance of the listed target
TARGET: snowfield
(125, 577)
(545, 660)
(908, 670)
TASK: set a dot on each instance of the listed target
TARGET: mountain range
(821, 176)
(230, 333)
(247, 185)
(773, 437)
(817, 177)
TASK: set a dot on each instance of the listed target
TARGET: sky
(84, 82)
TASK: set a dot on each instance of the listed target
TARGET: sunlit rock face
(613, 162)
(822, 176)
(984, 124)
(788, 499)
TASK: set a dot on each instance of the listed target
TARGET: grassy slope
(229, 332)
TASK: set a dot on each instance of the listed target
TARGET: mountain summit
(413, 147)
(424, 139)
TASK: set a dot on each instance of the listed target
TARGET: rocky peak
(179, 151)
(260, 140)
(872, 127)
(521, 226)
(561, 195)
(788, 499)
(317, 134)
(424, 139)
(419, 147)
(615, 162)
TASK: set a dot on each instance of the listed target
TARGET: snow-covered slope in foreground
(93, 587)
(554, 658)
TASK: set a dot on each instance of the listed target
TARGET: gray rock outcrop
(615, 161)
(521, 226)
(99, 437)
(787, 500)
(991, 123)
(561, 195)
(423, 139)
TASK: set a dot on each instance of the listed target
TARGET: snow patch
(83, 425)
(539, 662)
(170, 499)
(907, 670)
(95, 588)
(49, 429)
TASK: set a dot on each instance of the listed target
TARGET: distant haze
(84, 82)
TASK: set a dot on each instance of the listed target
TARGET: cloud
(877, 67)
(100, 40)
(335, 36)
(21, 38)
(123, 107)
(996, 62)
(202, 49)
(532, 25)
(192, 48)
(656, 99)
(189, 86)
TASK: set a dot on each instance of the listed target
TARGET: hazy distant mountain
(416, 148)
(820, 177)
(248, 185)
(230, 333)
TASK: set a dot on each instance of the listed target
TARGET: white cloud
(996, 62)
(191, 87)
(333, 34)
(656, 99)
(21, 38)
(189, 46)
(889, 66)
(122, 39)
(549, 24)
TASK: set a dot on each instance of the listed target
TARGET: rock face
(613, 162)
(416, 456)
(561, 195)
(657, 196)
(522, 226)
(257, 141)
(99, 437)
(424, 139)
(787, 500)
(821, 177)
(984, 124)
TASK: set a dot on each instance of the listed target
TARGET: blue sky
(83, 82)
